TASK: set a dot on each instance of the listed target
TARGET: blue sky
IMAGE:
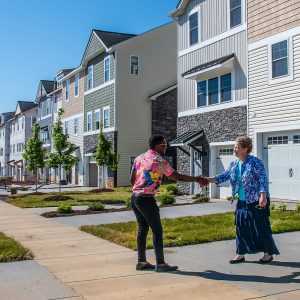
(38, 38)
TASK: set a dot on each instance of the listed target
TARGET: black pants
(147, 215)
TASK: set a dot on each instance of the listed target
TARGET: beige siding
(157, 55)
(266, 18)
(213, 13)
(233, 44)
(277, 103)
(75, 104)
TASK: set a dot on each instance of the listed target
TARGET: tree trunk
(36, 180)
(59, 180)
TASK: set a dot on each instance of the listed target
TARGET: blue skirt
(253, 230)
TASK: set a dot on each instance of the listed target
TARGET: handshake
(202, 181)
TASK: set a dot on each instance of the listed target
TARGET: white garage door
(224, 158)
(281, 155)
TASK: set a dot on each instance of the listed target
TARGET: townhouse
(274, 101)
(4, 142)
(73, 119)
(20, 131)
(121, 74)
(212, 87)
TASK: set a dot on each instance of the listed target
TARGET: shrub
(128, 203)
(166, 198)
(64, 208)
(200, 198)
(272, 206)
(282, 207)
(236, 197)
(297, 206)
(172, 189)
(97, 206)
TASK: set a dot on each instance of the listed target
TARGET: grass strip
(190, 230)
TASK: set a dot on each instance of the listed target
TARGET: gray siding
(93, 47)
(98, 70)
(213, 13)
(234, 44)
(97, 100)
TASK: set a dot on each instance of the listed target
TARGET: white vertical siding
(236, 44)
(276, 103)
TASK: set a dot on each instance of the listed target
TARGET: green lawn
(11, 250)
(191, 230)
(118, 195)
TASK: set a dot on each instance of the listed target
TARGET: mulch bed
(96, 191)
(54, 214)
(58, 198)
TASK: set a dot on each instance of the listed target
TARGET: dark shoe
(237, 261)
(165, 268)
(144, 266)
(265, 261)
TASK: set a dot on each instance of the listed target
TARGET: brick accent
(219, 126)
(266, 18)
(164, 119)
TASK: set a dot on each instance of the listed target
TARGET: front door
(197, 170)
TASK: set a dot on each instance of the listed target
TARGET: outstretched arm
(186, 178)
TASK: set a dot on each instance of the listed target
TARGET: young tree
(105, 157)
(34, 153)
(62, 157)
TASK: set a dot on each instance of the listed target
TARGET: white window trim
(77, 76)
(138, 65)
(98, 111)
(104, 61)
(92, 85)
(67, 84)
(195, 10)
(87, 121)
(104, 109)
(243, 15)
(99, 87)
(219, 89)
(290, 75)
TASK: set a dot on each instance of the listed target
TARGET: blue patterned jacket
(254, 178)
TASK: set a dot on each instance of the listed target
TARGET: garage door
(224, 158)
(281, 155)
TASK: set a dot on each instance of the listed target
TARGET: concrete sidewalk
(97, 269)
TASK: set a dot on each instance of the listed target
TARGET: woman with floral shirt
(249, 181)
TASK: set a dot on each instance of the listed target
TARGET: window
(89, 121)
(13, 148)
(193, 28)
(296, 139)
(76, 125)
(280, 59)
(23, 122)
(106, 117)
(278, 140)
(90, 77)
(225, 89)
(19, 147)
(97, 119)
(1, 151)
(17, 126)
(213, 91)
(134, 65)
(107, 69)
(235, 13)
(201, 93)
(76, 85)
(66, 127)
(44, 136)
(33, 121)
(225, 152)
(67, 90)
(48, 106)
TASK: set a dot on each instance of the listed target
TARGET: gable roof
(48, 85)
(180, 9)
(23, 106)
(110, 38)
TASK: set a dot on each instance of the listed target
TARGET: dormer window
(194, 28)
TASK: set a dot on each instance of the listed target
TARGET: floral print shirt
(149, 168)
(254, 178)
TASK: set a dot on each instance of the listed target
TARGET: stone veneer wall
(164, 119)
(219, 126)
